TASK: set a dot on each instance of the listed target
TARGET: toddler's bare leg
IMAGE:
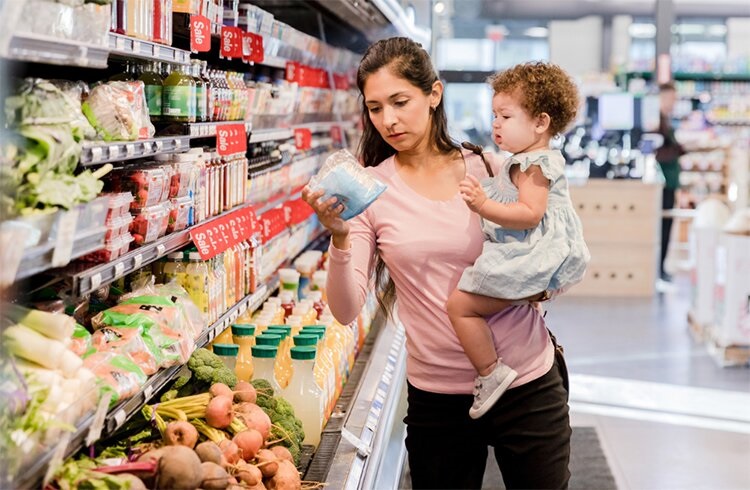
(467, 312)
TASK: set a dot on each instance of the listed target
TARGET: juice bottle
(225, 337)
(201, 94)
(305, 395)
(175, 269)
(264, 358)
(154, 86)
(128, 75)
(287, 302)
(119, 20)
(209, 87)
(162, 21)
(318, 283)
(227, 353)
(283, 368)
(178, 97)
(242, 335)
(318, 306)
(197, 283)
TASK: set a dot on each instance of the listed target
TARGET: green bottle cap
(226, 349)
(305, 339)
(303, 353)
(272, 331)
(243, 330)
(264, 351)
(268, 339)
(288, 328)
(319, 326)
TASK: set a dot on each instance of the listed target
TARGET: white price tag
(119, 269)
(154, 50)
(120, 43)
(96, 153)
(148, 391)
(243, 308)
(96, 281)
(130, 149)
(66, 233)
(363, 450)
(211, 334)
(120, 416)
(136, 47)
(114, 151)
(57, 458)
(138, 261)
(159, 146)
(95, 432)
(160, 249)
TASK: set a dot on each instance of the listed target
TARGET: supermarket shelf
(274, 62)
(251, 302)
(263, 135)
(47, 49)
(208, 129)
(124, 46)
(92, 278)
(277, 201)
(118, 151)
(321, 127)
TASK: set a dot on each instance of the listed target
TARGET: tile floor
(668, 417)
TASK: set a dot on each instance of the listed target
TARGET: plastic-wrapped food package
(121, 331)
(119, 112)
(342, 177)
(150, 223)
(179, 213)
(148, 185)
(116, 373)
(118, 204)
(112, 249)
(80, 342)
(87, 23)
(116, 227)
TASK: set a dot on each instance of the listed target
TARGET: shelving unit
(128, 47)
(47, 49)
(97, 153)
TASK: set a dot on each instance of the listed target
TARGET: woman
(424, 235)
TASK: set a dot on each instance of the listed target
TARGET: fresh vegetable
(286, 477)
(180, 433)
(209, 451)
(220, 389)
(53, 325)
(245, 392)
(282, 453)
(219, 412)
(249, 474)
(179, 468)
(267, 462)
(33, 346)
(249, 441)
(286, 429)
(214, 477)
(208, 369)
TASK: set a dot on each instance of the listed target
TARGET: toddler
(534, 241)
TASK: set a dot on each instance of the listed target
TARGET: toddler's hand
(472, 193)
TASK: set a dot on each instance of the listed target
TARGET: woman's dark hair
(408, 60)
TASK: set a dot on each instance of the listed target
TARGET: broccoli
(207, 368)
(284, 408)
(263, 387)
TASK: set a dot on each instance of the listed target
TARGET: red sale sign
(200, 34)
(223, 233)
(258, 48)
(231, 139)
(231, 42)
(302, 138)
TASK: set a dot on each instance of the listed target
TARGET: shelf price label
(231, 139)
(200, 34)
(302, 138)
(231, 42)
(247, 47)
(223, 233)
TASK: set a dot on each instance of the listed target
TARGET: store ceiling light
(536, 32)
(642, 31)
(439, 7)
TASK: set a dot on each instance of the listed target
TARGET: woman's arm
(533, 189)
(350, 269)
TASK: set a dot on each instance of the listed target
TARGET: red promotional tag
(258, 49)
(200, 34)
(231, 139)
(292, 71)
(247, 47)
(223, 233)
(231, 42)
(302, 138)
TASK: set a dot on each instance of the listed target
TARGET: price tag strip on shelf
(223, 233)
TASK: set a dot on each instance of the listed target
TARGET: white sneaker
(488, 389)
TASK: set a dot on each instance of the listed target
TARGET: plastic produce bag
(119, 112)
(116, 373)
(342, 177)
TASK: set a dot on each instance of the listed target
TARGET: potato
(179, 469)
(214, 477)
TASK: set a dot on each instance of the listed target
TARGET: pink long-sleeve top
(426, 244)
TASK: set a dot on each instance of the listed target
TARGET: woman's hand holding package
(329, 214)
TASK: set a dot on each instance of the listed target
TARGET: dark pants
(667, 202)
(528, 427)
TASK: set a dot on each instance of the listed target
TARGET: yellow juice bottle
(243, 336)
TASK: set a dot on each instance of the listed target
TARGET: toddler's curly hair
(542, 87)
